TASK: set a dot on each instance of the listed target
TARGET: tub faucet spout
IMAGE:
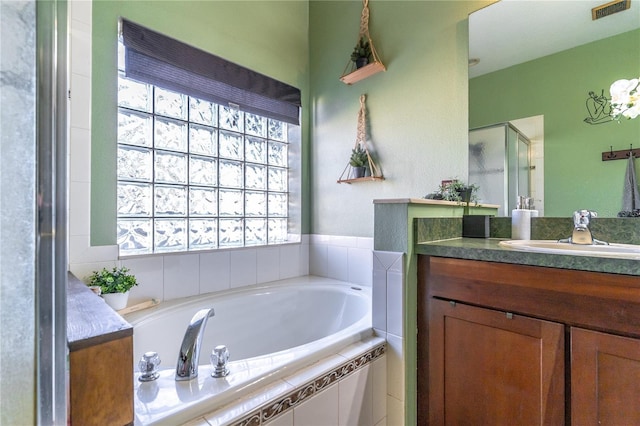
(187, 367)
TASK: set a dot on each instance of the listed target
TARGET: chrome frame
(51, 221)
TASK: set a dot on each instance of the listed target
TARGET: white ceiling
(514, 31)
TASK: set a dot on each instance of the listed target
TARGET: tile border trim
(291, 399)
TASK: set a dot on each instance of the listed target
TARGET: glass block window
(194, 175)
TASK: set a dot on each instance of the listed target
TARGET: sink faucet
(187, 367)
(581, 232)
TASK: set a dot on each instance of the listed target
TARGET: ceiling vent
(610, 8)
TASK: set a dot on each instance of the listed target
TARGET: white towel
(631, 196)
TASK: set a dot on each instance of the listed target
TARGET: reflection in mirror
(540, 67)
(499, 163)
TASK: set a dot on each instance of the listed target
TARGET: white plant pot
(117, 301)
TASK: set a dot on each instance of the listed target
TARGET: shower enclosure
(500, 164)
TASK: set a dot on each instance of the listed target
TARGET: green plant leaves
(118, 280)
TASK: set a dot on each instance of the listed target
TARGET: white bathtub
(270, 331)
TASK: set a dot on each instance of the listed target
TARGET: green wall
(270, 37)
(417, 110)
(557, 86)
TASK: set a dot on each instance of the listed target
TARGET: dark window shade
(162, 61)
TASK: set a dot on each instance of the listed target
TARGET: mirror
(546, 68)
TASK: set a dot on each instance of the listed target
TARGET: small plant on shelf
(455, 190)
(359, 157)
(359, 160)
(361, 54)
(118, 280)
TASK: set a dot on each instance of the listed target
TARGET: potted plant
(361, 54)
(359, 161)
(114, 285)
(456, 190)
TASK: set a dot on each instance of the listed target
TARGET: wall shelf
(362, 179)
(351, 74)
(363, 72)
(349, 174)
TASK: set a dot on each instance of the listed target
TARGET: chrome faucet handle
(581, 218)
(149, 366)
(219, 358)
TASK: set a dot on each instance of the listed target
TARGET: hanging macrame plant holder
(352, 73)
(349, 174)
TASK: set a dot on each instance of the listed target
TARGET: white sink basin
(621, 251)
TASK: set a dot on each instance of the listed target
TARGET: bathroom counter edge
(490, 251)
(90, 321)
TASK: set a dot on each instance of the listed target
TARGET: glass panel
(133, 94)
(134, 199)
(487, 157)
(277, 179)
(231, 145)
(185, 126)
(277, 130)
(523, 166)
(134, 128)
(171, 104)
(231, 203)
(256, 150)
(134, 163)
(277, 154)
(202, 171)
(203, 233)
(255, 231)
(278, 204)
(231, 119)
(255, 204)
(231, 174)
(203, 140)
(171, 134)
(255, 176)
(170, 234)
(134, 235)
(255, 125)
(170, 200)
(512, 169)
(203, 202)
(171, 167)
(203, 112)
(231, 234)
(277, 231)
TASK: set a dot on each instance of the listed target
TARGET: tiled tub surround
(338, 257)
(345, 388)
(270, 331)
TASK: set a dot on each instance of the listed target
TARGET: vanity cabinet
(100, 365)
(500, 368)
(511, 344)
(605, 379)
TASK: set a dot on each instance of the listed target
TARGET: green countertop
(489, 250)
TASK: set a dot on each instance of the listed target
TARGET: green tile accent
(434, 229)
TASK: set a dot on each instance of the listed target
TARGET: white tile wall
(214, 271)
(320, 409)
(284, 420)
(388, 317)
(341, 258)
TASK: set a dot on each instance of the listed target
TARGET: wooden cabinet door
(492, 368)
(605, 379)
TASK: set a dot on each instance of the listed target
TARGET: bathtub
(270, 331)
